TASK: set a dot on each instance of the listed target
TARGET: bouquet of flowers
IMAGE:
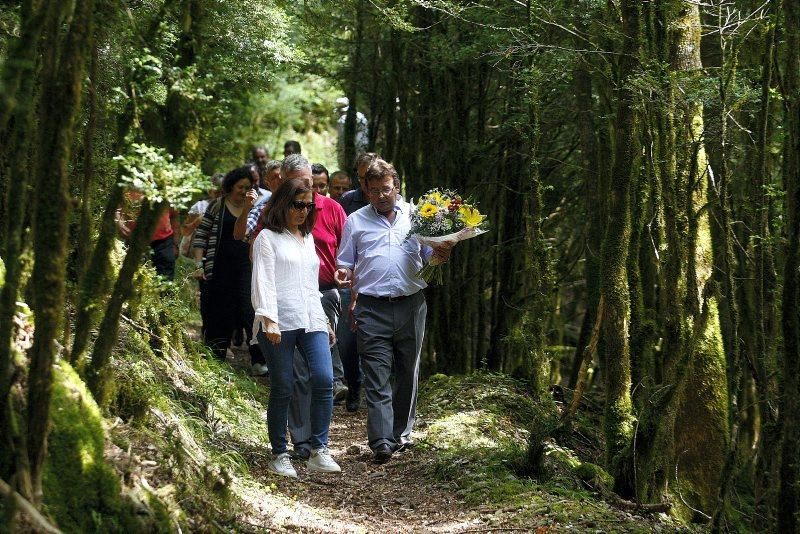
(440, 216)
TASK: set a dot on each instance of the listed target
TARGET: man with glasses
(352, 201)
(381, 265)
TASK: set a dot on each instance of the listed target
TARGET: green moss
(701, 428)
(560, 357)
(81, 492)
(592, 474)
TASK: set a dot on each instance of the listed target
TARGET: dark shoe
(238, 338)
(353, 405)
(382, 454)
(400, 447)
(339, 392)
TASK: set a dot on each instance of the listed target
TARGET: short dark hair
(380, 168)
(293, 146)
(256, 148)
(366, 157)
(276, 211)
(340, 174)
(319, 168)
(234, 176)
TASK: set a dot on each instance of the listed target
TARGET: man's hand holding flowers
(440, 219)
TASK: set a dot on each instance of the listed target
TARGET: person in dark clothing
(224, 263)
(357, 198)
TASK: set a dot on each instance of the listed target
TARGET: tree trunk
(614, 253)
(594, 186)
(84, 236)
(687, 418)
(788, 499)
(61, 96)
(16, 140)
(139, 241)
(764, 310)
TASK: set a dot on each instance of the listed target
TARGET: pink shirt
(327, 236)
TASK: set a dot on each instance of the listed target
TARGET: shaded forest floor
(187, 438)
(413, 492)
(461, 476)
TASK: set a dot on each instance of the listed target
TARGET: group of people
(322, 280)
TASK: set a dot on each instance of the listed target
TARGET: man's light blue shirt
(384, 262)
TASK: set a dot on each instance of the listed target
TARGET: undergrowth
(477, 429)
(203, 422)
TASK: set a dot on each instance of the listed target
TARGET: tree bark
(139, 241)
(789, 499)
(619, 419)
(16, 140)
(61, 96)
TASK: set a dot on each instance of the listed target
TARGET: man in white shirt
(361, 139)
(381, 265)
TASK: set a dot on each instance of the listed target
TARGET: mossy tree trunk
(138, 243)
(17, 104)
(181, 126)
(718, 59)
(763, 310)
(84, 232)
(595, 183)
(619, 420)
(789, 496)
(689, 410)
(63, 75)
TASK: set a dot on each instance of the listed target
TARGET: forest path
(400, 496)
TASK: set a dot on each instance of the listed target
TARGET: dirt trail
(399, 496)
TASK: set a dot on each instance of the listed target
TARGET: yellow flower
(437, 198)
(470, 216)
(428, 210)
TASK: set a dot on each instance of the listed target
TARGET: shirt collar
(398, 206)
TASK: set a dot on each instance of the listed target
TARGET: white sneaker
(282, 465)
(259, 369)
(322, 462)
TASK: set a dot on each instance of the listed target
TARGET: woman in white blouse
(289, 313)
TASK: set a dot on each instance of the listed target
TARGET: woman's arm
(264, 294)
(190, 224)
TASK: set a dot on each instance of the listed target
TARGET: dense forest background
(639, 162)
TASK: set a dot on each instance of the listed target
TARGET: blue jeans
(314, 348)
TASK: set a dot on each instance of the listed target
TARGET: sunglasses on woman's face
(300, 205)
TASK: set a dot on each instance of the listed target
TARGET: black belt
(388, 298)
(326, 287)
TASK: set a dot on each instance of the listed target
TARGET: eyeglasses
(386, 191)
(300, 205)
